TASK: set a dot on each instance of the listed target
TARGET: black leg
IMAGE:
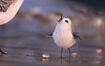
(61, 52)
(2, 52)
(69, 52)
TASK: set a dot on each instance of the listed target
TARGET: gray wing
(76, 36)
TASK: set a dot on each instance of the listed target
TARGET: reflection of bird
(63, 36)
(8, 9)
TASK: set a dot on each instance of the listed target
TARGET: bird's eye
(66, 21)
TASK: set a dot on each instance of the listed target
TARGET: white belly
(63, 37)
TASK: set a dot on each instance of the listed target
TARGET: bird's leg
(69, 52)
(61, 52)
(2, 52)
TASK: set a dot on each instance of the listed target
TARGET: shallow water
(28, 50)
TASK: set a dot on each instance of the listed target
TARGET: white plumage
(62, 34)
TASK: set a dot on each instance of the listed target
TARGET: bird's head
(65, 21)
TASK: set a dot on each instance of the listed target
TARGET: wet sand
(27, 49)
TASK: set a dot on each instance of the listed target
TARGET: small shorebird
(63, 35)
(8, 9)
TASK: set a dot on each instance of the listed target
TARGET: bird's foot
(2, 52)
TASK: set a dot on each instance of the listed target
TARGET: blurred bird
(46, 22)
(8, 9)
(63, 35)
(26, 15)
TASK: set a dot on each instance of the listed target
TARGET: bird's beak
(60, 19)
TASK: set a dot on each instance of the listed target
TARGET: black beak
(60, 19)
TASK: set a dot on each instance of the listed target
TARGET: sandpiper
(8, 9)
(63, 35)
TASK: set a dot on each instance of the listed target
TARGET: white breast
(63, 36)
(10, 13)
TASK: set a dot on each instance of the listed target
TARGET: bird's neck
(64, 28)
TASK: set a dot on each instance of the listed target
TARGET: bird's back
(9, 11)
(5, 4)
